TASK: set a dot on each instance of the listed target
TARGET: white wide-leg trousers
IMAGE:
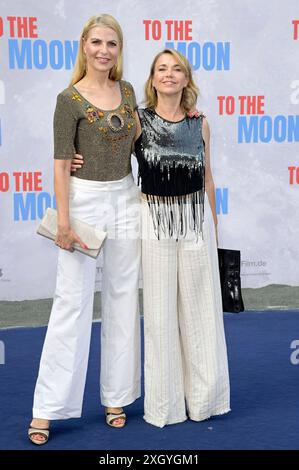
(114, 207)
(186, 369)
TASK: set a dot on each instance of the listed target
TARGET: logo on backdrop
(27, 51)
(2, 101)
(295, 24)
(254, 125)
(2, 92)
(293, 175)
(29, 199)
(221, 196)
(177, 35)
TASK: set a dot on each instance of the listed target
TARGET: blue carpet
(264, 391)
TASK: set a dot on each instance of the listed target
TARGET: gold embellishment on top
(92, 114)
(127, 92)
(103, 129)
(114, 138)
(110, 123)
(76, 97)
(128, 110)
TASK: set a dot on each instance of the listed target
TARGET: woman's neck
(96, 80)
(170, 108)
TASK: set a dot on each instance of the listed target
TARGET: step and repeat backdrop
(245, 59)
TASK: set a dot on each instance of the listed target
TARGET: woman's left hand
(195, 113)
(77, 162)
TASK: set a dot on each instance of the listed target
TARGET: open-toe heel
(45, 433)
(112, 417)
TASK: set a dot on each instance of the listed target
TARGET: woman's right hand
(76, 162)
(66, 237)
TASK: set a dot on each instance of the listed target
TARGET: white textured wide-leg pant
(186, 370)
(114, 207)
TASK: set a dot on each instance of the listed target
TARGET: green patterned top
(104, 138)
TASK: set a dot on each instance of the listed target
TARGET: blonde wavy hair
(190, 92)
(80, 65)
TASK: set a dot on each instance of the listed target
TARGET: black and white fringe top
(171, 169)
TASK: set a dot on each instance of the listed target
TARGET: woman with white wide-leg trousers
(113, 207)
(96, 116)
(185, 367)
(186, 372)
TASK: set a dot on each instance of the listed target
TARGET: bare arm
(138, 128)
(209, 182)
(61, 186)
(65, 235)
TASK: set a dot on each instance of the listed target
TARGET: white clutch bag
(91, 236)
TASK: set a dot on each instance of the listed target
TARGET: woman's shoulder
(128, 93)
(199, 118)
(127, 84)
(128, 89)
(67, 92)
(67, 95)
(69, 101)
(146, 113)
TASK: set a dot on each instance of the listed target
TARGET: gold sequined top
(104, 138)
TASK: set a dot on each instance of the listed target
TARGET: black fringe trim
(175, 196)
(174, 215)
(161, 179)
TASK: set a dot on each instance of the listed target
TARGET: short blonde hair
(80, 66)
(190, 93)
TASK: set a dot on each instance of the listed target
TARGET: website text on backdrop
(95, 116)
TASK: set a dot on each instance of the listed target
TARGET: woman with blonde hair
(186, 370)
(95, 116)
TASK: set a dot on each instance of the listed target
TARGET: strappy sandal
(112, 417)
(42, 432)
